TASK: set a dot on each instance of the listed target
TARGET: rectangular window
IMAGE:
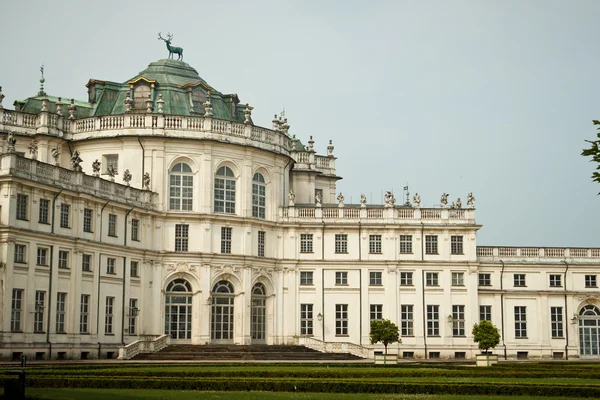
(42, 256)
(135, 230)
(306, 319)
(341, 243)
(44, 208)
(407, 322)
(431, 244)
(431, 279)
(65, 211)
(61, 306)
(84, 314)
(456, 245)
(458, 320)
(40, 306)
(181, 237)
(112, 225)
(485, 313)
(458, 279)
(405, 244)
(375, 278)
(87, 220)
(20, 251)
(133, 311)
(519, 279)
(555, 280)
(375, 244)
(520, 322)
(341, 278)
(108, 315)
(406, 278)
(63, 259)
(86, 262)
(306, 243)
(590, 281)
(376, 312)
(485, 279)
(111, 161)
(22, 203)
(16, 310)
(111, 264)
(306, 277)
(556, 320)
(225, 240)
(261, 243)
(341, 319)
(433, 320)
(133, 269)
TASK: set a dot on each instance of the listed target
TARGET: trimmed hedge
(322, 385)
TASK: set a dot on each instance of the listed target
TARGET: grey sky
(493, 97)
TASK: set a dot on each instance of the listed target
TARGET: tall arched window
(589, 331)
(178, 310)
(181, 187)
(258, 196)
(258, 317)
(225, 191)
(222, 312)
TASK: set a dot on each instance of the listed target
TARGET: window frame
(375, 244)
(111, 266)
(458, 279)
(341, 320)
(135, 229)
(306, 243)
(63, 259)
(261, 243)
(39, 311)
(44, 212)
(433, 320)
(306, 319)
(22, 207)
(406, 278)
(456, 245)
(375, 278)
(61, 311)
(132, 318)
(341, 243)
(519, 280)
(341, 278)
(407, 324)
(20, 253)
(182, 232)
(225, 191)
(375, 312)
(109, 315)
(406, 244)
(306, 278)
(458, 320)
(86, 265)
(134, 269)
(432, 279)
(181, 187)
(65, 215)
(555, 280)
(259, 196)
(431, 244)
(556, 323)
(84, 313)
(226, 234)
(484, 279)
(520, 315)
(42, 256)
(88, 218)
(112, 225)
(485, 312)
(16, 310)
(591, 281)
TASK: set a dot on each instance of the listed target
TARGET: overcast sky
(493, 97)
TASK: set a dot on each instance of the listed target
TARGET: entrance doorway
(178, 311)
(258, 314)
(589, 331)
(222, 313)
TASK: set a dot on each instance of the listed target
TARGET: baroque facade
(156, 208)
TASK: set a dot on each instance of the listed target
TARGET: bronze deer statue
(172, 49)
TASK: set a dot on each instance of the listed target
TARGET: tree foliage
(594, 152)
(486, 335)
(384, 331)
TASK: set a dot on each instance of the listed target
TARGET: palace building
(155, 211)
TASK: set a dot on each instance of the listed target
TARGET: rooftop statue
(172, 49)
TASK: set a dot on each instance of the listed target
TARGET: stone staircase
(237, 352)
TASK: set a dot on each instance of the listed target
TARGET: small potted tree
(386, 332)
(486, 335)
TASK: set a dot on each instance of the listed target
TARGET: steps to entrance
(236, 352)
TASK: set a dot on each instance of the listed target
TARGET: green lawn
(110, 394)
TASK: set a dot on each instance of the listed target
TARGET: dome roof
(171, 72)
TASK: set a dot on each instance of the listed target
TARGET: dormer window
(140, 95)
(198, 99)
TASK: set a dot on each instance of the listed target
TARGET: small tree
(486, 335)
(594, 152)
(384, 331)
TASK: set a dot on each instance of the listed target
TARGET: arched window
(225, 191)
(589, 310)
(178, 310)
(222, 312)
(140, 94)
(181, 187)
(258, 315)
(589, 331)
(258, 196)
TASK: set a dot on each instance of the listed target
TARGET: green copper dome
(181, 89)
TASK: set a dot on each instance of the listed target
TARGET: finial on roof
(59, 107)
(248, 114)
(160, 103)
(311, 144)
(72, 109)
(1, 97)
(42, 80)
(330, 148)
(275, 123)
(208, 106)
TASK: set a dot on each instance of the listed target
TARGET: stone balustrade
(13, 164)
(353, 213)
(490, 253)
(336, 347)
(146, 344)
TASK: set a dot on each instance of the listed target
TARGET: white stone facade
(89, 265)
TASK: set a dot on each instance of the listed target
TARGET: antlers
(169, 37)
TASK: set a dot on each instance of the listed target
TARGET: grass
(110, 394)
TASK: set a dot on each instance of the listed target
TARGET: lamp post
(320, 318)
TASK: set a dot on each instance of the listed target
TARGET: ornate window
(140, 95)
(181, 187)
(198, 99)
(258, 196)
(225, 191)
